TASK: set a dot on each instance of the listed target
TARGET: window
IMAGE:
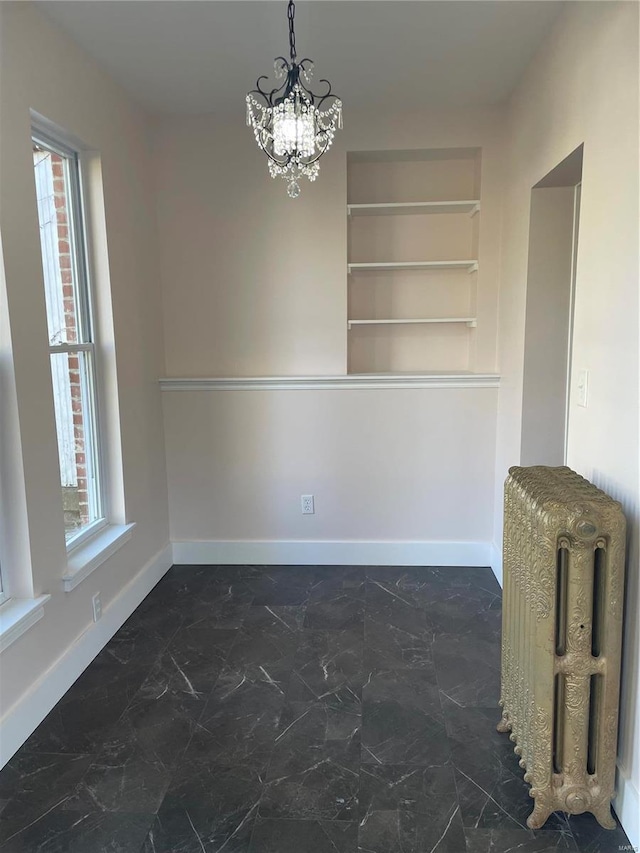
(71, 335)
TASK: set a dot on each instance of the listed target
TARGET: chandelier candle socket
(293, 125)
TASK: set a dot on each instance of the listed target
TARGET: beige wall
(255, 284)
(41, 69)
(401, 465)
(582, 87)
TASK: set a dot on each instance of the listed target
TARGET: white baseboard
(496, 561)
(26, 715)
(330, 553)
(627, 807)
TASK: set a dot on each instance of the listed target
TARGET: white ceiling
(180, 56)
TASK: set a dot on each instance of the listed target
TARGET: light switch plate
(583, 388)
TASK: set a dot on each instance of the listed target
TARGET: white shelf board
(469, 321)
(469, 265)
(414, 207)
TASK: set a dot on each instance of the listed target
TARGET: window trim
(17, 615)
(88, 333)
(93, 551)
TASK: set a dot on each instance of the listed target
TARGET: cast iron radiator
(563, 566)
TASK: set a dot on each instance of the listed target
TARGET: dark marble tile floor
(288, 710)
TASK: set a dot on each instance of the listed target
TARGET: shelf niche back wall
(400, 177)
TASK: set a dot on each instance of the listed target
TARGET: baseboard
(26, 715)
(496, 561)
(330, 553)
(627, 808)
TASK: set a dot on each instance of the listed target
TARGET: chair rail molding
(347, 382)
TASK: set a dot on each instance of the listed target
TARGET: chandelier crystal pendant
(293, 125)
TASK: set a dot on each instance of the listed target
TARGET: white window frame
(3, 593)
(97, 541)
(86, 328)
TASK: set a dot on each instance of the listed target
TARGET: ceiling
(202, 57)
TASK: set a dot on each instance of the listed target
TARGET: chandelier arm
(329, 93)
(318, 156)
(268, 96)
(258, 90)
(317, 99)
(270, 156)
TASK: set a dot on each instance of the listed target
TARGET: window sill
(17, 615)
(90, 554)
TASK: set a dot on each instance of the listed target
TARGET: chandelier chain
(291, 12)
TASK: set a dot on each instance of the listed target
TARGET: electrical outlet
(307, 504)
(97, 607)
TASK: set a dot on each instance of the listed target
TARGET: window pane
(72, 375)
(62, 290)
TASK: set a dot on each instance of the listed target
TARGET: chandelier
(293, 125)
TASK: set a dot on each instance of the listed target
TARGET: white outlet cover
(307, 504)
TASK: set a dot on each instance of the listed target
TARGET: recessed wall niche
(413, 224)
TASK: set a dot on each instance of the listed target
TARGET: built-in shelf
(470, 266)
(414, 207)
(424, 204)
(469, 321)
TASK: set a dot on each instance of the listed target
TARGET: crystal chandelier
(293, 125)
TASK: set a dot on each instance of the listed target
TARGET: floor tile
(207, 808)
(281, 586)
(342, 610)
(137, 762)
(314, 767)
(336, 716)
(592, 838)
(409, 809)
(263, 647)
(326, 662)
(82, 719)
(396, 646)
(518, 841)
(33, 783)
(61, 831)
(468, 670)
(240, 721)
(304, 836)
(315, 783)
(402, 721)
(266, 619)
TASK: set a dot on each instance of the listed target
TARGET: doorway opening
(551, 276)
